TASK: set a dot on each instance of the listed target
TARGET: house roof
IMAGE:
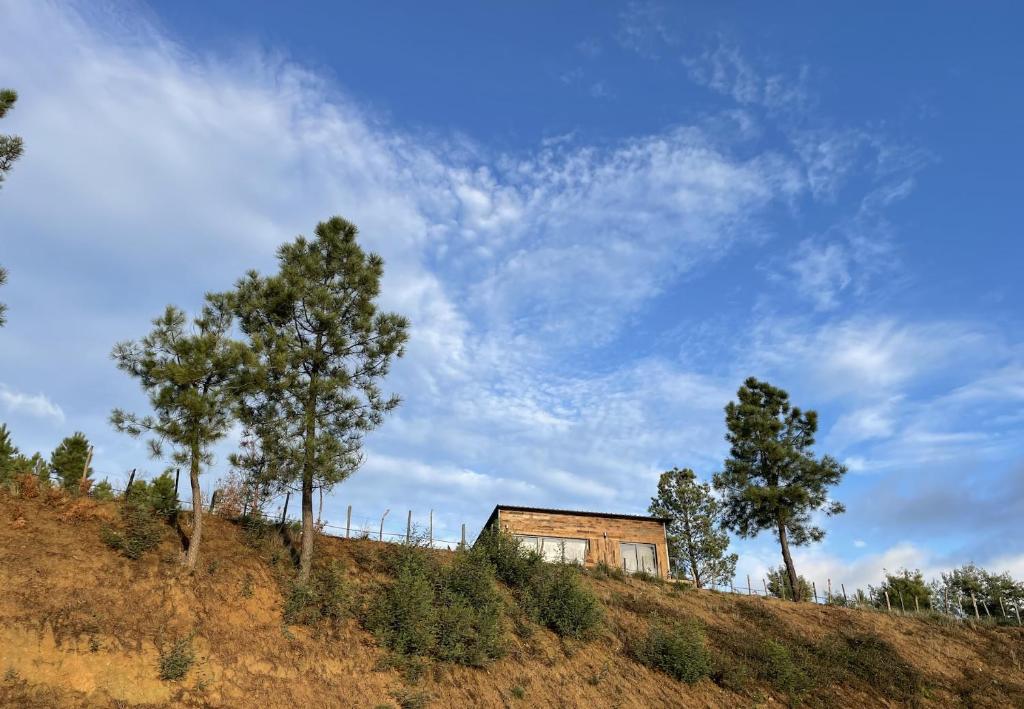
(582, 513)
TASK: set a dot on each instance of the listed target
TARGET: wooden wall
(603, 533)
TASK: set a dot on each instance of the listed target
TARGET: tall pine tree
(189, 372)
(9, 454)
(696, 544)
(324, 347)
(68, 461)
(771, 480)
(11, 148)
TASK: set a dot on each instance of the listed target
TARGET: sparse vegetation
(140, 531)
(325, 598)
(176, 660)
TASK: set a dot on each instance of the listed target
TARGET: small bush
(647, 577)
(469, 618)
(563, 603)
(874, 661)
(551, 594)
(141, 531)
(678, 650)
(604, 570)
(452, 613)
(324, 598)
(158, 495)
(779, 667)
(404, 616)
(102, 491)
(174, 663)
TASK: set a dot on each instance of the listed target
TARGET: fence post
(945, 602)
(815, 590)
(380, 537)
(846, 600)
(284, 512)
(917, 606)
(408, 528)
(765, 584)
(430, 528)
(177, 474)
(828, 598)
(128, 487)
(900, 594)
(1001, 606)
(984, 604)
(887, 604)
(348, 522)
(83, 483)
(213, 500)
(750, 591)
(1016, 609)
(320, 510)
(463, 535)
(975, 602)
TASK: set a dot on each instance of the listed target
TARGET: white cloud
(821, 271)
(37, 405)
(727, 71)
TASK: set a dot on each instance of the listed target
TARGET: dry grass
(81, 625)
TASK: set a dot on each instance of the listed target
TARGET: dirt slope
(81, 626)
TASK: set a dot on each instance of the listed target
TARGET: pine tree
(904, 586)
(68, 460)
(188, 373)
(11, 146)
(9, 454)
(771, 479)
(3, 307)
(323, 347)
(780, 586)
(695, 543)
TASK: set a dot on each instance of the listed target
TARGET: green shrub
(779, 667)
(872, 660)
(174, 663)
(102, 491)
(551, 594)
(563, 603)
(324, 598)
(513, 565)
(647, 577)
(452, 613)
(676, 649)
(158, 495)
(141, 531)
(404, 615)
(469, 616)
(604, 570)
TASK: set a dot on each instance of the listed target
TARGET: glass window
(570, 551)
(638, 557)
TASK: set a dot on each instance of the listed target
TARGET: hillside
(82, 626)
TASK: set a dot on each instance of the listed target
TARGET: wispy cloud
(36, 405)
(643, 29)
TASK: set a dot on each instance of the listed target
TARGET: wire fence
(955, 608)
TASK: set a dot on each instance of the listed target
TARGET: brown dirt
(81, 626)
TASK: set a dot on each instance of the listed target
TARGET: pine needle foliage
(771, 479)
(68, 460)
(696, 544)
(323, 347)
(189, 372)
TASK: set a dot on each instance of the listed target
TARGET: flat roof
(578, 513)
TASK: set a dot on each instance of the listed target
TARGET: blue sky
(600, 219)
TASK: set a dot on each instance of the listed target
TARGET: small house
(630, 542)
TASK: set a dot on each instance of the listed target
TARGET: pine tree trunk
(309, 460)
(197, 511)
(790, 568)
(690, 550)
